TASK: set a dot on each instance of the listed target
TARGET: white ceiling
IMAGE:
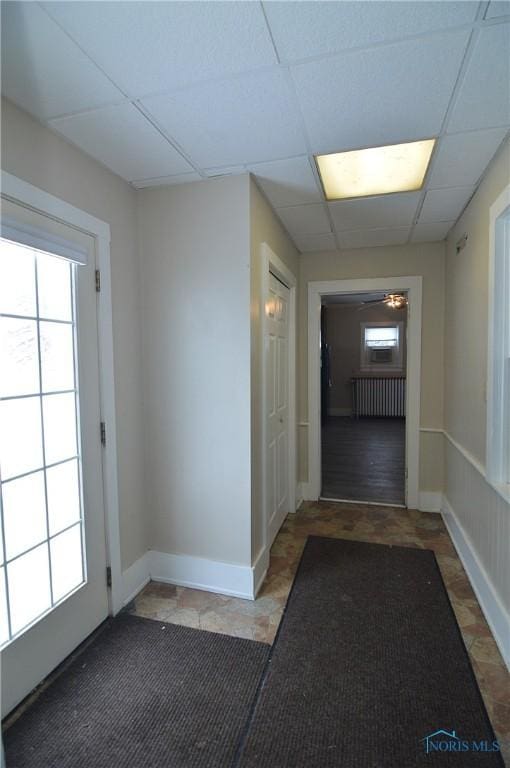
(171, 92)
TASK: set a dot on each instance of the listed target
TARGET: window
(41, 547)
(381, 336)
(381, 346)
(498, 374)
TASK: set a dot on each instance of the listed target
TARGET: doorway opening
(318, 293)
(363, 381)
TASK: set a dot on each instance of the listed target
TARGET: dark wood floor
(364, 459)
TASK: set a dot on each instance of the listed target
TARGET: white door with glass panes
(277, 405)
(53, 591)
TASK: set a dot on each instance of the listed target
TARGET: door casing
(316, 290)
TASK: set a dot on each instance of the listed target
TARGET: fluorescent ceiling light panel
(375, 171)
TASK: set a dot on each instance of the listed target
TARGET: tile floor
(385, 525)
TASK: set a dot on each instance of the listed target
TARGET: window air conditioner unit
(381, 355)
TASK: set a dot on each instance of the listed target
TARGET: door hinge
(98, 280)
(102, 427)
(108, 576)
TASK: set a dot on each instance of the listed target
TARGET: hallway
(254, 295)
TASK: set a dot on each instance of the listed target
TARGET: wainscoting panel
(478, 519)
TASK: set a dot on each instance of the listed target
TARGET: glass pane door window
(41, 511)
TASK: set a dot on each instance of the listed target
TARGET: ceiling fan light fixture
(375, 171)
(396, 301)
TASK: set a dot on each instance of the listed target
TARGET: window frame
(497, 470)
(397, 364)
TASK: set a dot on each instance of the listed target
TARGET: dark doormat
(144, 695)
(367, 663)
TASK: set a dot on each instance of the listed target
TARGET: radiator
(378, 396)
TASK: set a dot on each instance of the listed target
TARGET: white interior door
(277, 405)
(53, 591)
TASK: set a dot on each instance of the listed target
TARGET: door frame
(316, 290)
(271, 263)
(20, 191)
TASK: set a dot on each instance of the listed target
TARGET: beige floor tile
(259, 620)
(187, 617)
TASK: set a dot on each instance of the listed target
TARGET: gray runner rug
(368, 662)
(145, 695)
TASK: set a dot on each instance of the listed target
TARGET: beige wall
(343, 335)
(264, 228)
(482, 514)
(195, 251)
(427, 260)
(466, 330)
(38, 156)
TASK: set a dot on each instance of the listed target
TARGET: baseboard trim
(430, 501)
(195, 572)
(494, 611)
(260, 570)
(200, 573)
(135, 578)
(299, 495)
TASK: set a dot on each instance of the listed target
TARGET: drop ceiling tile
(300, 31)
(287, 182)
(483, 100)
(498, 8)
(461, 158)
(375, 212)
(125, 141)
(43, 71)
(167, 181)
(236, 121)
(309, 243)
(370, 238)
(393, 93)
(147, 47)
(431, 232)
(444, 204)
(305, 219)
(229, 170)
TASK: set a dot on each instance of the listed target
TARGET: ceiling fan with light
(392, 300)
